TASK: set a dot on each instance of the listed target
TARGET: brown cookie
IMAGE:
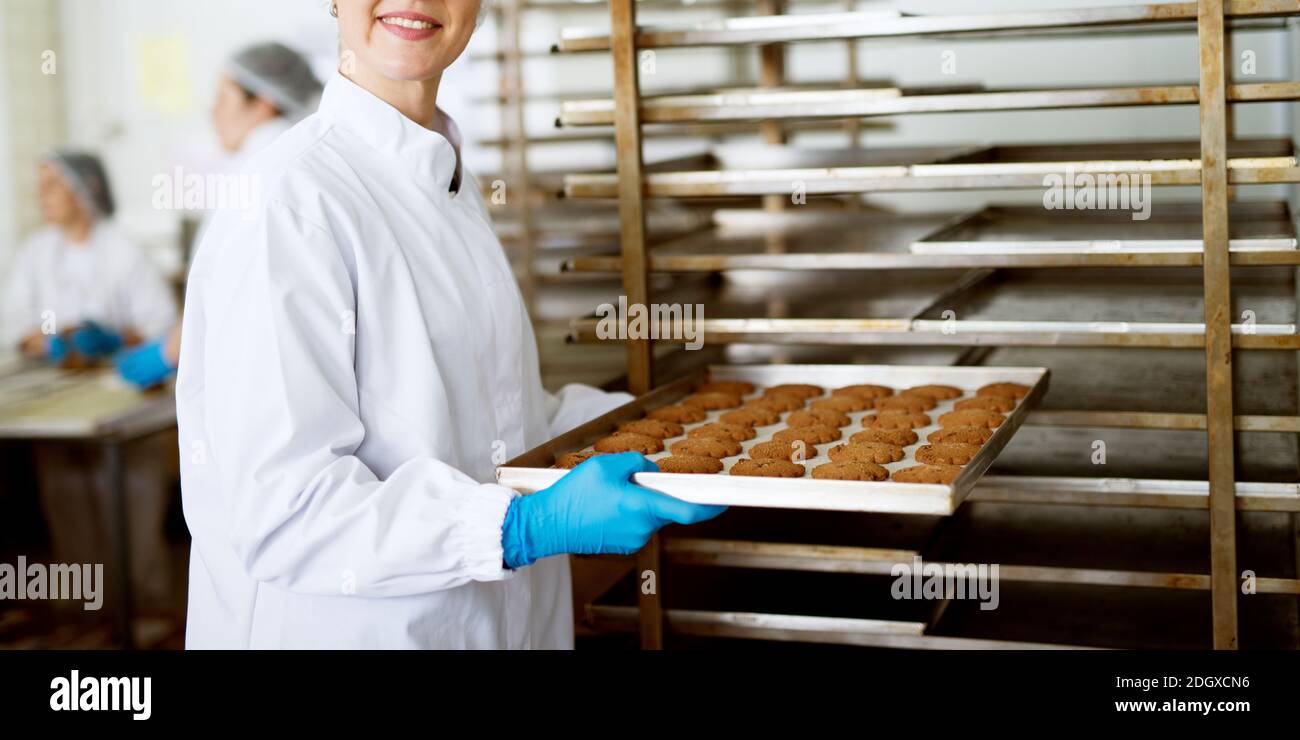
(897, 437)
(952, 453)
(896, 420)
(937, 392)
(1000, 404)
(706, 446)
(678, 414)
(972, 418)
(652, 428)
(574, 459)
(767, 468)
(773, 450)
(865, 390)
(689, 464)
(1014, 391)
(798, 390)
(814, 417)
(960, 435)
(630, 442)
(712, 401)
(778, 402)
(872, 452)
(751, 416)
(928, 474)
(843, 404)
(912, 404)
(813, 435)
(722, 430)
(850, 470)
(734, 387)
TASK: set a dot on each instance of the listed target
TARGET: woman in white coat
(81, 290)
(356, 359)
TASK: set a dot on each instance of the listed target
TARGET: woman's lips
(410, 26)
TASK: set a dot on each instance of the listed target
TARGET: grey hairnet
(484, 9)
(85, 176)
(279, 74)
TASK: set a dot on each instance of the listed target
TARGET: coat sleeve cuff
(477, 535)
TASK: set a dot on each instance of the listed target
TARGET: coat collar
(432, 158)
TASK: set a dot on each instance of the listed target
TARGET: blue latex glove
(595, 508)
(93, 340)
(55, 348)
(144, 366)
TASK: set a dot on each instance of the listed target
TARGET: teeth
(406, 22)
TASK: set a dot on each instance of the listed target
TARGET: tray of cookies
(901, 439)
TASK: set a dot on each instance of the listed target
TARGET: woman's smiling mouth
(410, 26)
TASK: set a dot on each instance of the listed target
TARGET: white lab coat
(356, 360)
(108, 279)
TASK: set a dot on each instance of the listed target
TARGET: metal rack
(1229, 237)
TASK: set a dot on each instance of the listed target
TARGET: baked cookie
(630, 442)
(1006, 390)
(722, 430)
(734, 387)
(706, 446)
(678, 414)
(813, 435)
(897, 437)
(751, 416)
(850, 470)
(937, 392)
(952, 453)
(689, 464)
(798, 390)
(843, 404)
(960, 435)
(928, 474)
(773, 450)
(652, 428)
(572, 460)
(972, 418)
(1000, 404)
(814, 417)
(768, 468)
(712, 401)
(866, 390)
(872, 452)
(779, 402)
(904, 403)
(896, 420)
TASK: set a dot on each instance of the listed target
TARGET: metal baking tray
(532, 471)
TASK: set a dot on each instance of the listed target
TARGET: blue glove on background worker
(144, 366)
(91, 340)
(595, 508)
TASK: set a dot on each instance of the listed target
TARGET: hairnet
(85, 176)
(279, 74)
(484, 9)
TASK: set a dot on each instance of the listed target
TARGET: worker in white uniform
(80, 289)
(355, 362)
(263, 90)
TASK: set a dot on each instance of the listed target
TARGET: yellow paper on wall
(162, 64)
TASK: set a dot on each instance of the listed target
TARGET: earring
(334, 10)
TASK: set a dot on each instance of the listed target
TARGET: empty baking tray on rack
(757, 170)
(1170, 228)
(765, 104)
(1137, 307)
(533, 470)
(891, 22)
(812, 238)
